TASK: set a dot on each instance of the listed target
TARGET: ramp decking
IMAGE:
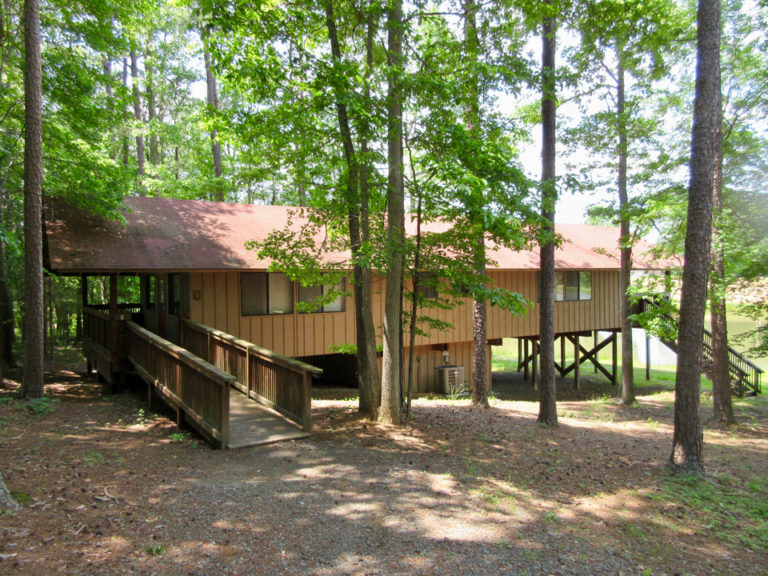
(251, 424)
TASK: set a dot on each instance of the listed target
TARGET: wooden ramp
(251, 424)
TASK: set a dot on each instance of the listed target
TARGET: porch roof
(166, 235)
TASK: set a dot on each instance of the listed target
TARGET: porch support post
(562, 354)
(614, 359)
(84, 328)
(576, 359)
(114, 326)
(520, 358)
(525, 361)
(647, 357)
(535, 361)
(594, 347)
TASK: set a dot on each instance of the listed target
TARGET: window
(264, 293)
(427, 287)
(573, 285)
(310, 294)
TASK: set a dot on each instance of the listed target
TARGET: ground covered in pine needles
(108, 488)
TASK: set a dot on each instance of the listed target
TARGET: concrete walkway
(251, 424)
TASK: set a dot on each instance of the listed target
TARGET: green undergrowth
(728, 509)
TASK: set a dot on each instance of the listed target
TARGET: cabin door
(178, 304)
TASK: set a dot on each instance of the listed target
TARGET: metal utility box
(450, 378)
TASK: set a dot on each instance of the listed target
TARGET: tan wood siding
(301, 335)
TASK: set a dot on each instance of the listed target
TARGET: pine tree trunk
(687, 440)
(32, 383)
(721, 378)
(213, 104)
(472, 121)
(154, 143)
(548, 382)
(138, 116)
(126, 116)
(625, 271)
(392, 377)
(359, 231)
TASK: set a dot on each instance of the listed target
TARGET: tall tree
(721, 377)
(620, 40)
(32, 383)
(706, 142)
(213, 105)
(392, 364)
(140, 156)
(472, 121)
(547, 384)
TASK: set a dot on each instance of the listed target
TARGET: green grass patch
(22, 498)
(155, 549)
(734, 514)
(42, 406)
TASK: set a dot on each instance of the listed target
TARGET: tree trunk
(138, 115)
(391, 385)
(154, 144)
(32, 383)
(472, 121)
(625, 241)
(126, 115)
(721, 378)
(359, 231)
(366, 340)
(548, 382)
(705, 151)
(7, 319)
(213, 104)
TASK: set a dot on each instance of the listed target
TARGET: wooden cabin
(192, 263)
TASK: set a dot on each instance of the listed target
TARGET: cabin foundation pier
(528, 355)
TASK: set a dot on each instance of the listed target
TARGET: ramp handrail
(281, 383)
(185, 381)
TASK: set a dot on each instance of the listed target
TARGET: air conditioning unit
(450, 378)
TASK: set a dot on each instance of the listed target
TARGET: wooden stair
(745, 375)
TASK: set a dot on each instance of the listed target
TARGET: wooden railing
(96, 326)
(185, 381)
(281, 383)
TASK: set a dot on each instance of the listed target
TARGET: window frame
(321, 308)
(581, 295)
(268, 300)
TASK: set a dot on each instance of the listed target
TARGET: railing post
(248, 370)
(225, 415)
(306, 416)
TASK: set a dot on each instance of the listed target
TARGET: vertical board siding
(299, 335)
(288, 334)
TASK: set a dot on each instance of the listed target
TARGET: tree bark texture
(625, 240)
(548, 382)
(392, 377)
(705, 151)
(472, 121)
(721, 378)
(154, 142)
(126, 116)
(32, 383)
(213, 104)
(359, 231)
(138, 116)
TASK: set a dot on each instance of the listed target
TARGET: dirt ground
(108, 488)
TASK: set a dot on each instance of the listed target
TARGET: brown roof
(161, 234)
